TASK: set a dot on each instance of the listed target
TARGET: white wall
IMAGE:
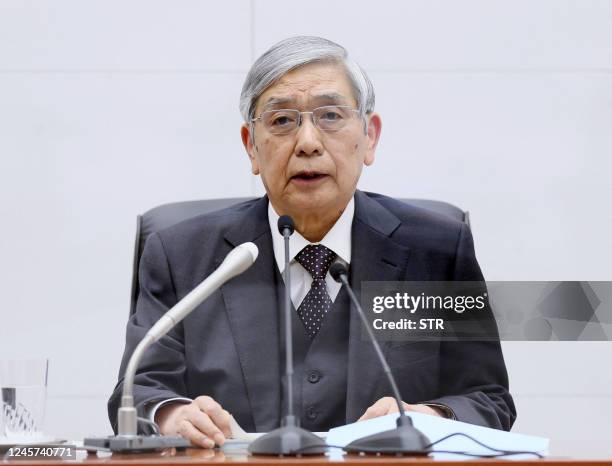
(108, 108)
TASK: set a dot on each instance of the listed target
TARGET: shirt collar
(338, 238)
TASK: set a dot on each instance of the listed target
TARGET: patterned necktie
(316, 259)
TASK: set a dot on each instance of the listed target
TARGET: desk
(194, 456)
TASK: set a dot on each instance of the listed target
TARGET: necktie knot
(316, 259)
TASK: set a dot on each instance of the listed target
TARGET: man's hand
(203, 421)
(388, 405)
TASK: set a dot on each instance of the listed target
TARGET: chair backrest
(166, 215)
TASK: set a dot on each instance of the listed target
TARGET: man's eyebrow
(278, 101)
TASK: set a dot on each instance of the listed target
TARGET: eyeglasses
(328, 118)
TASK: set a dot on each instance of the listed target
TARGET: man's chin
(310, 202)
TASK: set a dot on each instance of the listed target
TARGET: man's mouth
(308, 176)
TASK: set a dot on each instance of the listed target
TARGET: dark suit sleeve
(161, 373)
(473, 377)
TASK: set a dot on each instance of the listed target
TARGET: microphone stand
(127, 439)
(289, 439)
(405, 439)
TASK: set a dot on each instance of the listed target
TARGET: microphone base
(404, 440)
(135, 443)
(289, 440)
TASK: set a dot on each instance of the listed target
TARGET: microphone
(237, 261)
(405, 439)
(286, 227)
(289, 439)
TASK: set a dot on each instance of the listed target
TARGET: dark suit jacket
(228, 348)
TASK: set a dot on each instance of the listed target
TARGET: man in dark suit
(309, 130)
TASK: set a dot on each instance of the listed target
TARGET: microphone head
(337, 270)
(251, 249)
(285, 222)
(239, 259)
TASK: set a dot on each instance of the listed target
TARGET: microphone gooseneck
(289, 439)
(286, 227)
(236, 262)
(340, 274)
(127, 439)
(405, 439)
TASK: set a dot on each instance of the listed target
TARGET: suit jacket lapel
(252, 310)
(375, 257)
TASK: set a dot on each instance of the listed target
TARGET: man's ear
(249, 146)
(373, 135)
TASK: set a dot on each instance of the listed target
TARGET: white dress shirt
(337, 239)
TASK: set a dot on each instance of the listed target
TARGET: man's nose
(308, 137)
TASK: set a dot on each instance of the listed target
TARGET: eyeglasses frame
(300, 120)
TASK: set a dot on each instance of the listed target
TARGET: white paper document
(435, 428)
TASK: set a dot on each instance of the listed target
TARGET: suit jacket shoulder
(196, 246)
(431, 237)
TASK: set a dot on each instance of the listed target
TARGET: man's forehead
(310, 84)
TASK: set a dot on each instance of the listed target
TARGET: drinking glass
(23, 394)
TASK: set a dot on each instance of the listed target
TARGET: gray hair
(293, 53)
